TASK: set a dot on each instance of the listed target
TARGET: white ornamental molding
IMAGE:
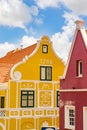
(17, 75)
(62, 103)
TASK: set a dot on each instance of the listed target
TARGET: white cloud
(15, 13)
(27, 41)
(62, 40)
(47, 3)
(78, 7)
(38, 21)
(6, 47)
(32, 31)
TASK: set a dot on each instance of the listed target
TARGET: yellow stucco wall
(30, 68)
(26, 76)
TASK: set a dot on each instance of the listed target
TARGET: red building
(73, 91)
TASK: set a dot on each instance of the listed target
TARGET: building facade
(73, 90)
(30, 100)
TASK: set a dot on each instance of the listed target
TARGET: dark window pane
(27, 98)
(46, 73)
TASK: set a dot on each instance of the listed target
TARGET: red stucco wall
(79, 53)
(78, 100)
(74, 83)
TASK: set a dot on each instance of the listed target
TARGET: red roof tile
(13, 57)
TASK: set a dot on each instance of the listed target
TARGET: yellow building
(30, 99)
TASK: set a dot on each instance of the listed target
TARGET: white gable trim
(23, 61)
(84, 36)
(69, 56)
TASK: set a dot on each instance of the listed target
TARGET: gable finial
(79, 24)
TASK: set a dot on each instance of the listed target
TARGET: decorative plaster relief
(46, 61)
(45, 99)
(27, 85)
(17, 75)
(45, 86)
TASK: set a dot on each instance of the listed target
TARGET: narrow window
(46, 73)
(71, 117)
(27, 98)
(79, 68)
(58, 96)
(44, 48)
(2, 102)
(42, 73)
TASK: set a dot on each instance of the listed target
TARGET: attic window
(44, 48)
(79, 68)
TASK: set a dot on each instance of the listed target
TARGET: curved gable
(43, 55)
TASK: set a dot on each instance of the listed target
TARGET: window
(79, 68)
(44, 48)
(69, 117)
(27, 98)
(46, 73)
(2, 102)
(58, 96)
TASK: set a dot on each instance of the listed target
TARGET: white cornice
(3, 86)
(73, 90)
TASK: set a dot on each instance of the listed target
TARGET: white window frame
(67, 117)
(79, 68)
(85, 118)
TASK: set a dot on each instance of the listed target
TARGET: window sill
(79, 76)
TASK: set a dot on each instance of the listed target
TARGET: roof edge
(84, 36)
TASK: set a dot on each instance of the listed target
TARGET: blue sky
(26, 21)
